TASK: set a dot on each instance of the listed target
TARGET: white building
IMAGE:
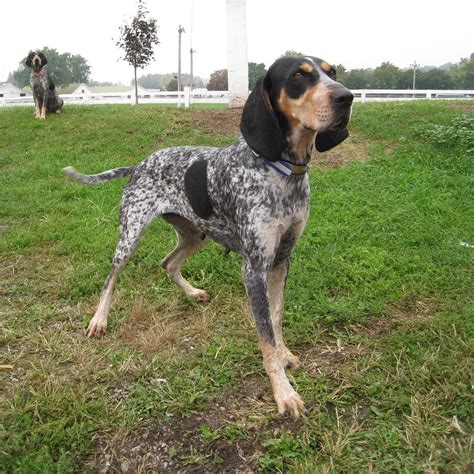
(9, 90)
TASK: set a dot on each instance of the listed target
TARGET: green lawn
(379, 307)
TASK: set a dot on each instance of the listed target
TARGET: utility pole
(180, 30)
(192, 51)
(414, 66)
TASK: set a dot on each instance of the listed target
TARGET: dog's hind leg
(190, 240)
(133, 224)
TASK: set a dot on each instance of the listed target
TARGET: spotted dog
(252, 197)
(44, 90)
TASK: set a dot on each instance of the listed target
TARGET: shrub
(458, 134)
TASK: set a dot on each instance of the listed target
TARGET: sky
(357, 34)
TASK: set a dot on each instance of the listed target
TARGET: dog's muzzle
(341, 99)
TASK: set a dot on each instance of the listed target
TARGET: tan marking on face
(312, 109)
(325, 67)
(305, 67)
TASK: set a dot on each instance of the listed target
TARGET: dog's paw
(289, 402)
(200, 295)
(96, 328)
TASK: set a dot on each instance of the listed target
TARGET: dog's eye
(298, 75)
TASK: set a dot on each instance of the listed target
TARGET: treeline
(67, 68)
(169, 81)
(388, 76)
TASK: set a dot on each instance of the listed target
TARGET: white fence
(187, 97)
(369, 95)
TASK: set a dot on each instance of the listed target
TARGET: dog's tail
(98, 178)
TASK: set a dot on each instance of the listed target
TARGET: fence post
(428, 94)
(363, 95)
(187, 97)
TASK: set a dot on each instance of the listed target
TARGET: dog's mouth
(339, 124)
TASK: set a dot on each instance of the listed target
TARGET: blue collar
(287, 169)
(284, 167)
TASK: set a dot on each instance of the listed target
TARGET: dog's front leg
(44, 105)
(255, 279)
(276, 295)
(37, 107)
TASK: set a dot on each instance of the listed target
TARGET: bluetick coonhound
(252, 197)
(44, 90)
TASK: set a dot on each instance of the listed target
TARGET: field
(379, 306)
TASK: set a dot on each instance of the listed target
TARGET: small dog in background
(44, 90)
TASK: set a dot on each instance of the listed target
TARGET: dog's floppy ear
(43, 59)
(29, 58)
(259, 124)
(327, 140)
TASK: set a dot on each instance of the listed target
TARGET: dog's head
(36, 60)
(298, 96)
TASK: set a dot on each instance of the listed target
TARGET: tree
(359, 79)
(172, 85)
(386, 76)
(291, 53)
(255, 72)
(137, 40)
(341, 73)
(218, 81)
(463, 75)
(64, 69)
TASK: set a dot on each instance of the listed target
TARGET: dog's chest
(38, 83)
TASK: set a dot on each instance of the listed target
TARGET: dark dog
(252, 197)
(44, 90)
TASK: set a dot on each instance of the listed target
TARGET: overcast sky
(356, 34)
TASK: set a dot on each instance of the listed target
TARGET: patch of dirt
(220, 122)
(353, 149)
(408, 311)
(464, 107)
(201, 443)
(227, 121)
(325, 359)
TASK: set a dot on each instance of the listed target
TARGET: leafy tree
(137, 40)
(161, 81)
(64, 68)
(341, 73)
(255, 72)
(434, 79)
(463, 75)
(218, 81)
(151, 81)
(172, 85)
(291, 53)
(359, 79)
(386, 76)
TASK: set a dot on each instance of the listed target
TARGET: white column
(237, 61)
(187, 96)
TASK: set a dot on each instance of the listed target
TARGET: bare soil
(179, 445)
(227, 121)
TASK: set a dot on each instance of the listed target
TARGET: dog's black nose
(342, 97)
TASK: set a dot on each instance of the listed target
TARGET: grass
(379, 308)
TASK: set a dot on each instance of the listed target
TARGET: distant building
(9, 90)
(85, 89)
(82, 89)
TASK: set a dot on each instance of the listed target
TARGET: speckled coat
(238, 197)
